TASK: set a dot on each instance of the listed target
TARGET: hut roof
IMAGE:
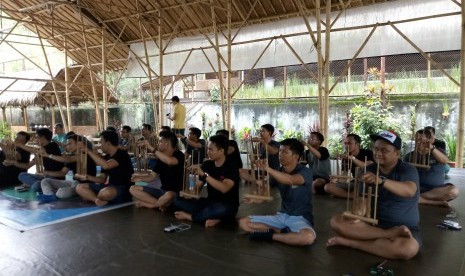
(36, 88)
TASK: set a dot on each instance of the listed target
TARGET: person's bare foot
(183, 215)
(211, 222)
(141, 204)
(433, 202)
(100, 202)
(400, 231)
(336, 240)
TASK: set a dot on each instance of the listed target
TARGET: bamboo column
(63, 118)
(218, 57)
(324, 129)
(285, 82)
(68, 102)
(228, 91)
(4, 115)
(460, 122)
(320, 63)
(24, 112)
(160, 77)
(104, 81)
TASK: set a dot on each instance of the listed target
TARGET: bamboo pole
(324, 129)
(68, 102)
(4, 115)
(63, 118)
(160, 78)
(24, 112)
(104, 81)
(285, 82)
(218, 57)
(320, 64)
(461, 121)
(228, 90)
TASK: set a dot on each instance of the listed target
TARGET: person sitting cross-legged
(10, 169)
(116, 165)
(433, 190)
(318, 160)
(222, 179)
(396, 236)
(169, 167)
(293, 224)
(53, 189)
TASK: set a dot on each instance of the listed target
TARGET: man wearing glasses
(396, 236)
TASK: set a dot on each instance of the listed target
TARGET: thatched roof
(83, 24)
(36, 88)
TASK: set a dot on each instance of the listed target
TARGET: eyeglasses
(382, 150)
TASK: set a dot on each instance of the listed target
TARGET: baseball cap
(388, 136)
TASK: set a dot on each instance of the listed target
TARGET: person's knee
(81, 187)
(244, 223)
(453, 192)
(308, 237)
(329, 188)
(335, 222)
(407, 252)
(107, 193)
(134, 189)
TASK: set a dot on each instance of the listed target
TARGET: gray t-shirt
(321, 167)
(394, 210)
(430, 178)
(297, 200)
(273, 159)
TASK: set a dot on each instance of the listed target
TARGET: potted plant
(445, 110)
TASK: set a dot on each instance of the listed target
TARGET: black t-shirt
(121, 174)
(171, 176)
(439, 144)
(235, 156)
(49, 164)
(197, 154)
(361, 156)
(226, 171)
(91, 168)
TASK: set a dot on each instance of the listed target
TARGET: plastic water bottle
(98, 170)
(69, 176)
(191, 182)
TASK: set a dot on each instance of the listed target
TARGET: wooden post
(428, 64)
(365, 71)
(285, 82)
(68, 101)
(218, 57)
(349, 72)
(52, 110)
(4, 115)
(228, 90)
(383, 70)
(161, 89)
(320, 64)
(24, 112)
(324, 128)
(104, 80)
(461, 121)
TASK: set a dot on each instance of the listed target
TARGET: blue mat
(21, 211)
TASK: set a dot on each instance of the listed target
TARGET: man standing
(179, 116)
(397, 234)
(169, 167)
(293, 223)
(116, 165)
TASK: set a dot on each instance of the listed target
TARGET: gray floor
(129, 241)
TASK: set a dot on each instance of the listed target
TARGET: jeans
(32, 180)
(204, 209)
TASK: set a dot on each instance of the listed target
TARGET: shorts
(155, 192)
(282, 220)
(122, 192)
(315, 177)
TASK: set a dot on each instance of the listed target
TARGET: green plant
(214, 93)
(244, 133)
(335, 147)
(5, 131)
(289, 133)
(451, 143)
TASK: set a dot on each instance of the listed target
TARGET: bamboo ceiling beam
(27, 58)
(8, 33)
(461, 120)
(253, 66)
(98, 119)
(349, 65)
(9, 85)
(425, 55)
(344, 8)
(244, 20)
(179, 72)
(65, 123)
(300, 59)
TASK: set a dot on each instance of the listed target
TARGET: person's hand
(9, 163)
(197, 170)
(80, 177)
(248, 200)
(257, 139)
(262, 164)
(371, 178)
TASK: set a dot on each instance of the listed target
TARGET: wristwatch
(203, 178)
(383, 180)
(353, 158)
